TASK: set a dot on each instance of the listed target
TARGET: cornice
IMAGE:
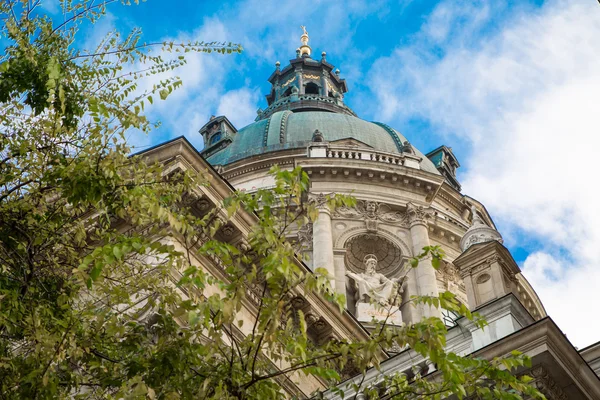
(545, 336)
(372, 172)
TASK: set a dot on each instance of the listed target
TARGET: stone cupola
(479, 232)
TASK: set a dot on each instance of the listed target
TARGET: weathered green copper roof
(290, 130)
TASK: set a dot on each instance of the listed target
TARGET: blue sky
(512, 87)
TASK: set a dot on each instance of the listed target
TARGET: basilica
(406, 200)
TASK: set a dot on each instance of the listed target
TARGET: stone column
(411, 314)
(340, 270)
(425, 274)
(323, 240)
(299, 81)
(324, 84)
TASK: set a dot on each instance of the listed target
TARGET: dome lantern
(319, 88)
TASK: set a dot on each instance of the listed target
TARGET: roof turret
(479, 232)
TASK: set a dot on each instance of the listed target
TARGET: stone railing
(326, 151)
(287, 103)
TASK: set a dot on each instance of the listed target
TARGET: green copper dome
(305, 96)
(291, 130)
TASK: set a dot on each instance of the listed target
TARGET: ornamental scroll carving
(314, 77)
(546, 384)
(417, 214)
(318, 200)
(372, 213)
(449, 276)
(305, 236)
(449, 273)
(286, 83)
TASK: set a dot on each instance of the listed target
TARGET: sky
(512, 87)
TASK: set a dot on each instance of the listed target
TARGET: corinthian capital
(319, 200)
(416, 214)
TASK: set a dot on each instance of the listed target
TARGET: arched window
(215, 138)
(311, 88)
(287, 92)
(330, 94)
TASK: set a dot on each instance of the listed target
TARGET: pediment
(351, 142)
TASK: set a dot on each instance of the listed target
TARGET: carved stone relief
(449, 279)
(546, 384)
(417, 214)
(372, 213)
(305, 236)
(319, 200)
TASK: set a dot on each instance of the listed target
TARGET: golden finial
(305, 48)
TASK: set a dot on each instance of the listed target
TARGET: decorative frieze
(312, 77)
(372, 212)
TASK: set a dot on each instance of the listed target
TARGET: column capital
(417, 215)
(319, 200)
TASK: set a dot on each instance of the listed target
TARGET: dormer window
(215, 138)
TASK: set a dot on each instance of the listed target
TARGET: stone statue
(375, 286)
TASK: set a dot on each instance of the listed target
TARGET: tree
(90, 237)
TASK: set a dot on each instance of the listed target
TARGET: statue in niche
(373, 286)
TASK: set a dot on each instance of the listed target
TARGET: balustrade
(363, 154)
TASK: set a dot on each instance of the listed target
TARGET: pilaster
(340, 270)
(323, 240)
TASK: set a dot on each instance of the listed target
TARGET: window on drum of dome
(311, 88)
(287, 92)
(215, 138)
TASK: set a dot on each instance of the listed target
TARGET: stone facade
(404, 203)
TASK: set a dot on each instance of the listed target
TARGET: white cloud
(51, 6)
(259, 26)
(239, 106)
(96, 34)
(525, 99)
(204, 75)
